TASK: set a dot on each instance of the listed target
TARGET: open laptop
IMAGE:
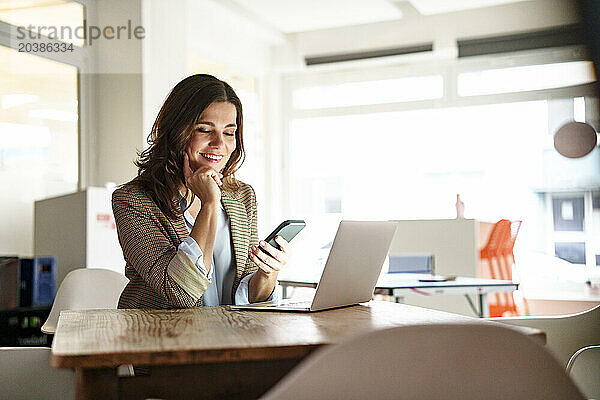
(351, 271)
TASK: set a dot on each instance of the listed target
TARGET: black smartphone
(287, 230)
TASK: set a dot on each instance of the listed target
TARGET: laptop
(351, 271)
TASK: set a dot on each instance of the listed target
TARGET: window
(568, 213)
(525, 78)
(348, 159)
(370, 92)
(411, 164)
(39, 121)
(576, 222)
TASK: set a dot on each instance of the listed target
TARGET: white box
(79, 230)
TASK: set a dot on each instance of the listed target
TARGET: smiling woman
(187, 226)
(189, 114)
(214, 137)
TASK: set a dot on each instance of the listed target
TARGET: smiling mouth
(212, 157)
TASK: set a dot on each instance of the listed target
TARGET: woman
(187, 227)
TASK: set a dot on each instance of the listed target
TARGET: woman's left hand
(272, 262)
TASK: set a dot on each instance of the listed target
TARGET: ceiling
(292, 16)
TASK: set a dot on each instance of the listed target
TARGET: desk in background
(212, 352)
(399, 285)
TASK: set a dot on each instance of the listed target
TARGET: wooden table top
(107, 338)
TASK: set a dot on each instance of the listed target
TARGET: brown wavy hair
(160, 166)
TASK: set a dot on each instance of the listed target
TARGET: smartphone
(287, 230)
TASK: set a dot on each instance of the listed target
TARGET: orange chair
(510, 244)
(499, 257)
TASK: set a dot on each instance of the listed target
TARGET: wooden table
(212, 352)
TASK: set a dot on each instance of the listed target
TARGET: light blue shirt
(222, 272)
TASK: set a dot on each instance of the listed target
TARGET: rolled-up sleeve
(185, 273)
(241, 294)
(190, 247)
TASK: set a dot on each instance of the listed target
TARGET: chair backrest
(564, 334)
(509, 244)
(434, 361)
(584, 369)
(496, 260)
(496, 240)
(25, 373)
(86, 288)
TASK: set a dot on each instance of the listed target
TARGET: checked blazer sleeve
(250, 266)
(242, 210)
(161, 276)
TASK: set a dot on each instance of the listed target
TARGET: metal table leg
(484, 309)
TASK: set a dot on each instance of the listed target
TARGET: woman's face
(213, 139)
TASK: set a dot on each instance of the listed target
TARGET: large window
(38, 141)
(411, 164)
(39, 122)
(410, 160)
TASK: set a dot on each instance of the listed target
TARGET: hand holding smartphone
(287, 230)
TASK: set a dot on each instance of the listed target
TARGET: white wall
(115, 90)
(164, 54)
(182, 31)
(275, 205)
(224, 33)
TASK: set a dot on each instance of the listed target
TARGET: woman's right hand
(204, 182)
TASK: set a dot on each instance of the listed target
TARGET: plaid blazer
(160, 275)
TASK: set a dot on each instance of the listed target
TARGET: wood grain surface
(107, 338)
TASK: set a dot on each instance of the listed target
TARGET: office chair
(565, 334)
(25, 373)
(86, 288)
(433, 361)
(584, 369)
(497, 258)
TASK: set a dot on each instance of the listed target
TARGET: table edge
(169, 357)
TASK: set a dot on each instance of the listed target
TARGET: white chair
(564, 334)
(584, 368)
(25, 373)
(434, 361)
(86, 288)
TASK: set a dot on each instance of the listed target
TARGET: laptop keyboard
(303, 303)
